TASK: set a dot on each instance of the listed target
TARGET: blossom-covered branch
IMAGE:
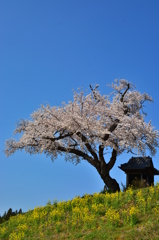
(85, 127)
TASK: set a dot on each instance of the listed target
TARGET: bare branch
(88, 146)
(94, 93)
(58, 138)
(112, 161)
(111, 129)
(78, 153)
(123, 94)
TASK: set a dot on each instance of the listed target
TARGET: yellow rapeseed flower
(133, 215)
(22, 227)
(152, 191)
(16, 236)
(2, 230)
(112, 216)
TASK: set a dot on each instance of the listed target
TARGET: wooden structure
(139, 168)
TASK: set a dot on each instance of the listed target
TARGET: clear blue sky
(48, 48)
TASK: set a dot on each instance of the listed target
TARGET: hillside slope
(133, 214)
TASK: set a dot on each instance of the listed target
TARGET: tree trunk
(111, 183)
(104, 168)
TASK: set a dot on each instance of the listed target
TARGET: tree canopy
(85, 127)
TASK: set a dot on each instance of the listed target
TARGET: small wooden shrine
(140, 168)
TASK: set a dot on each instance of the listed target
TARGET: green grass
(133, 214)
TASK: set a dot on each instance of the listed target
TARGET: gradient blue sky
(48, 48)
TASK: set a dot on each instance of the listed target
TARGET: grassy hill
(133, 214)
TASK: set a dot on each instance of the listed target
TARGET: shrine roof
(138, 163)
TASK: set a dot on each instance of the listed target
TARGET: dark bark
(104, 169)
(111, 183)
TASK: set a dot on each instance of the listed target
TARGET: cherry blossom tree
(86, 127)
